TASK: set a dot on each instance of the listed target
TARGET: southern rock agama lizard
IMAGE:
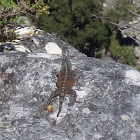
(65, 82)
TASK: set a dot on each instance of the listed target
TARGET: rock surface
(131, 30)
(109, 93)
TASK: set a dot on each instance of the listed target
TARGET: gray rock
(109, 93)
(24, 21)
(137, 51)
(131, 30)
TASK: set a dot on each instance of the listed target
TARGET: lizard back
(66, 78)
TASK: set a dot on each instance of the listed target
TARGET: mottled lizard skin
(65, 82)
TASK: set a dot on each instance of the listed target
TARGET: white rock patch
(81, 94)
(124, 117)
(53, 48)
(86, 110)
(21, 48)
(132, 77)
(98, 136)
(24, 32)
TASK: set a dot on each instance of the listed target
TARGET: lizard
(65, 82)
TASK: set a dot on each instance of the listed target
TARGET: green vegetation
(122, 54)
(138, 69)
(120, 11)
(74, 22)
(11, 9)
(6, 8)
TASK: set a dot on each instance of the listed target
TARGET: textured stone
(24, 21)
(131, 30)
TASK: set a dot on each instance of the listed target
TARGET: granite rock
(109, 95)
(131, 30)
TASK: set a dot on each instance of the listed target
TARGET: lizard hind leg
(61, 99)
(72, 92)
(53, 95)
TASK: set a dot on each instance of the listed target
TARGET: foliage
(138, 69)
(74, 22)
(10, 9)
(120, 12)
(122, 54)
(121, 8)
(6, 7)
